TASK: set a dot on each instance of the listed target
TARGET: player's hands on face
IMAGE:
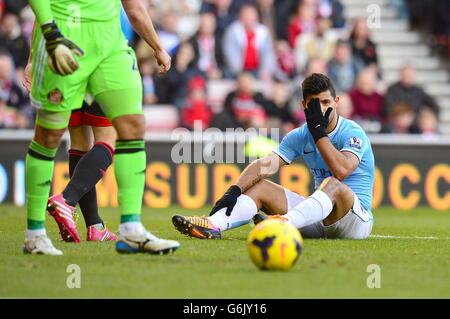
(60, 50)
(163, 59)
(227, 201)
(27, 77)
(316, 121)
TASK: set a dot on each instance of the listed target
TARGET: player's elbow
(266, 167)
(341, 173)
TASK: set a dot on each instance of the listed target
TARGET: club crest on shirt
(55, 96)
(355, 143)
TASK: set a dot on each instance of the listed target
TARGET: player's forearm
(42, 10)
(142, 23)
(338, 163)
(257, 170)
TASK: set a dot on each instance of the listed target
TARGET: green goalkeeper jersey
(75, 11)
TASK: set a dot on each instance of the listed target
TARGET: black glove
(60, 50)
(227, 201)
(317, 122)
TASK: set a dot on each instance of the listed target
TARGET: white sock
(242, 213)
(35, 232)
(130, 228)
(99, 226)
(312, 210)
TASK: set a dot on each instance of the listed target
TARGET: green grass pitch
(415, 264)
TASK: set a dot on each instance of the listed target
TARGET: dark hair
(317, 83)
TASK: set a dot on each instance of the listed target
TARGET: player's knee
(47, 137)
(331, 185)
(331, 180)
(130, 127)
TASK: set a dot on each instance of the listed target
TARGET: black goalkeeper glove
(316, 121)
(61, 60)
(227, 201)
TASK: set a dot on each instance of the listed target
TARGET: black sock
(85, 172)
(88, 203)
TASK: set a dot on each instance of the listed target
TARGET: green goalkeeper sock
(129, 168)
(38, 178)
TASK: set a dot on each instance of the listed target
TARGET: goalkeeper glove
(61, 60)
(316, 121)
(227, 201)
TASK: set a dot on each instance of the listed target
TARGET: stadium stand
(394, 34)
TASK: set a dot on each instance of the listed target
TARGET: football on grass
(274, 244)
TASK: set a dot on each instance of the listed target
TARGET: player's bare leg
(340, 195)
(268, 197)
(264, 195)
(105, 134)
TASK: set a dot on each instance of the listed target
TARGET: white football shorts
(356, 224)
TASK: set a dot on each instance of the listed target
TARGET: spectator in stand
(285, 69)
(337, 15)
(226, 12)
(208, 47)
(7, 113)
(15, 6)
(196, 111)
(278, 110)
(15, 96)
(343, 68)
(13, 102)
(245, 107)
(400, 120)
(267, 15)
(27, 19)
(362, 47)
(13, 41)
(281, 10)
(319, 44)
(168, 34)
(2, 8)
(316, 65)
(408, 92)
(247, 46)
(173, 88)
(345, 105)
(303, 20)
(367, 102)
(428, 123)
(186, 12)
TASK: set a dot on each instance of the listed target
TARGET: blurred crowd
(263, 47)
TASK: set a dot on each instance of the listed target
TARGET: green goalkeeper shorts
(108, 65)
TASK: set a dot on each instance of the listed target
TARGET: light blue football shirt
(347, 136)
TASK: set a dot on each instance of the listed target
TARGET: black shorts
(91, 115)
